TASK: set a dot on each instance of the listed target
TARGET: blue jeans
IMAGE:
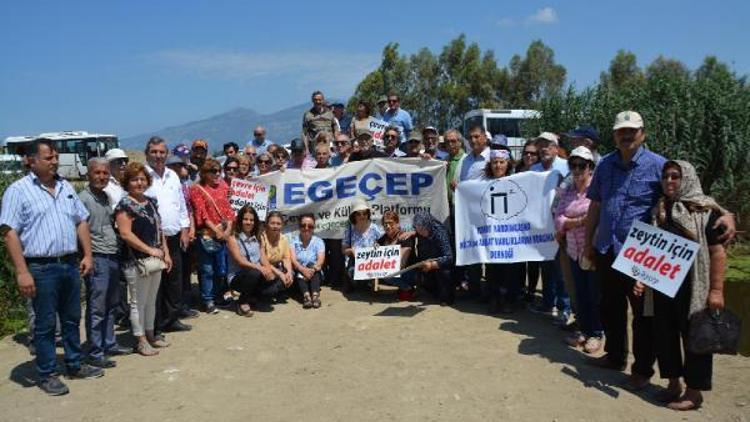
(102, 298)
(58, 292)
(588, 297)
(211, 266)
(553, 287)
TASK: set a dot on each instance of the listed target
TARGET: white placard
(655, 257)
(255, 193)
(506, 220)
(376, 262)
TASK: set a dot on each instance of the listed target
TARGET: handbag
(714, 332)
(151, 264)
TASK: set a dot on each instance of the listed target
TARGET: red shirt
(204, 208)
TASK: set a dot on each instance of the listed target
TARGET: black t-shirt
(144, 225)
(408, 243)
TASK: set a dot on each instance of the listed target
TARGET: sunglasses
(231, 169)
(671, 176)
(215, 171)
(390, 137)
(341, 142)
(529, 153)
(578, 166)
(264, 161)
(307, 226)
(257, 135)
(121, 161)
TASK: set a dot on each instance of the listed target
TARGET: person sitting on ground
(502, 280)
(275, 257)
(246, 273)
(686, 211)
(361, 233)
(395, 236)
(433, 250)
(138, 225)
(308, 256)
(570, 222)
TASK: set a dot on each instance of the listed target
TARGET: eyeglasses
(529, 153)
(578, 166)
(671, 176)
(228, 169)
(307, 226)
(264, 161)
(215, 171)
(341, 142)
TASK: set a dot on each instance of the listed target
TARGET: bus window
(508, 127)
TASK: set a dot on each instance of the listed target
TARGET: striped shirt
(46, 224)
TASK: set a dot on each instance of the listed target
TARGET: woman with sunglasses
(281, 158)
(361, 122)
(308, 255)
(265, 163)
(529, 270)
(570, 223)
(361, 233)
(213, 222)
(231, 170)
(686, 211)
(502, 286)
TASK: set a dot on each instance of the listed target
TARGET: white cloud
(339, 70)
(546, 15)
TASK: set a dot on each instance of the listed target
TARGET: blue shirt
(45, 223)
(249, 248)
(559, 164)
(260, 147)
(400, 118)
(626, 193)
(307, 255)
(472, 167)
(356, 239)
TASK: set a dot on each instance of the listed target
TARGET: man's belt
(52, 259)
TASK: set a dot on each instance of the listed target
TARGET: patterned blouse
(572, 205)
(145, 225)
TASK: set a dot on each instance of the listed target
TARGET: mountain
(235, 125)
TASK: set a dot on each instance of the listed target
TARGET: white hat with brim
(550, 137)
(628, 119)
(583, 153)
(359, 205)
(115, 154)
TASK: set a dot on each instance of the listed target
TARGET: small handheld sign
(655, 257)
(376, 262)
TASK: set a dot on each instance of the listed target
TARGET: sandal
(244, 310)
(316, 301)
(145, 349)
(159, 343)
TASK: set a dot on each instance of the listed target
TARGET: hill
(235, 125)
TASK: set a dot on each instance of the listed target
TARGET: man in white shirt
(175, 223)
(117, 160)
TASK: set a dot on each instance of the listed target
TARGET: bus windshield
(508, 127)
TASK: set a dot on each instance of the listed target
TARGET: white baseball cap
(114, 154)
(629, 119)
(550, 137)
(582, 152)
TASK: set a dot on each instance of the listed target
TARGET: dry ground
(363, 359)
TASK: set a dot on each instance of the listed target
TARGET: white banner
(506, 220)
(405, 185)
(657, 258)
(255, 193)
(377, 262)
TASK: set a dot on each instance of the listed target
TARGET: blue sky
(131, 67)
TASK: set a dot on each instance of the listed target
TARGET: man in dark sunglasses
(342, 147)
(397, 116)
(259, 141)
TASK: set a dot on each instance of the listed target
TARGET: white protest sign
(255, 193)
(405, 186)
(377, 130)
(655, 257)
(506, 220)
(376, 262)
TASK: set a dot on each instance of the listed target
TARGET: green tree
(623, 70)
(534, 77)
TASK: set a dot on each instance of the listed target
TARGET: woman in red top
(213, 222)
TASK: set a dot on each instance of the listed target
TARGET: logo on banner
(504, 199)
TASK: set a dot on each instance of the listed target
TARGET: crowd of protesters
(136, 230)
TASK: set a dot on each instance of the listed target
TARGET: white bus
(506, 122)
(75, 148)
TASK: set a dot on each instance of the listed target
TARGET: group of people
(136, 230)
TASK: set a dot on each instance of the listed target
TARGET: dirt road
(363, 359)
